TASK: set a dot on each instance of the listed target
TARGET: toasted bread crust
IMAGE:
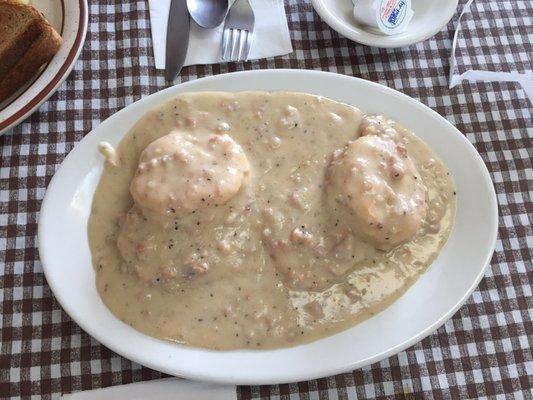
(28, 50)
(18, 46)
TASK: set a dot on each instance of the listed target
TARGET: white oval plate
(69, 18)
(66, 258)
(429, 18)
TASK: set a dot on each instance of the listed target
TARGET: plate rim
(374, 40)
(25, 110)
(273, 378)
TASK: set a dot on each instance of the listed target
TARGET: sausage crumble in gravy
(263, 220)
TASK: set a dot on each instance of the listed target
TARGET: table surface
(483, 351)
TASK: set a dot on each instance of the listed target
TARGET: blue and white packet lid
(388, 17)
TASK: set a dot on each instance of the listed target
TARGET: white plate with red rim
(69, 19)
(433, 299)
(430, 16)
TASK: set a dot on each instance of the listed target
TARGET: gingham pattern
(484, 42)
(484, 351)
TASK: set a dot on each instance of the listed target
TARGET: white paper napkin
(524, 79)
(271, 34)
(160, 389)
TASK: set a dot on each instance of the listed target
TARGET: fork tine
(243, 35)
(225, 40)
(248, 45)
(234, 33)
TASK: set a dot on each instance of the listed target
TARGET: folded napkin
(160, 389)
(271, 34)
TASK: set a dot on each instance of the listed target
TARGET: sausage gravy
(263, 220)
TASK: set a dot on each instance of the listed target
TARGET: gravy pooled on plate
(263, 220)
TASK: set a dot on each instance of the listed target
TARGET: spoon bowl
(208, 13)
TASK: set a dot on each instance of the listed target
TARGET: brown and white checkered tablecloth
(484, 351)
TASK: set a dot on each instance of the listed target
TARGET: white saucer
(430, 17)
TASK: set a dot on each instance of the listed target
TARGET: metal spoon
(208, 13)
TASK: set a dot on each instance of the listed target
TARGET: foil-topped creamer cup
(386, 17)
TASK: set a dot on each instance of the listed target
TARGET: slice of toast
(19, 28)
(27, 41)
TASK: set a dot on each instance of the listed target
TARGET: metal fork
(238, 32)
